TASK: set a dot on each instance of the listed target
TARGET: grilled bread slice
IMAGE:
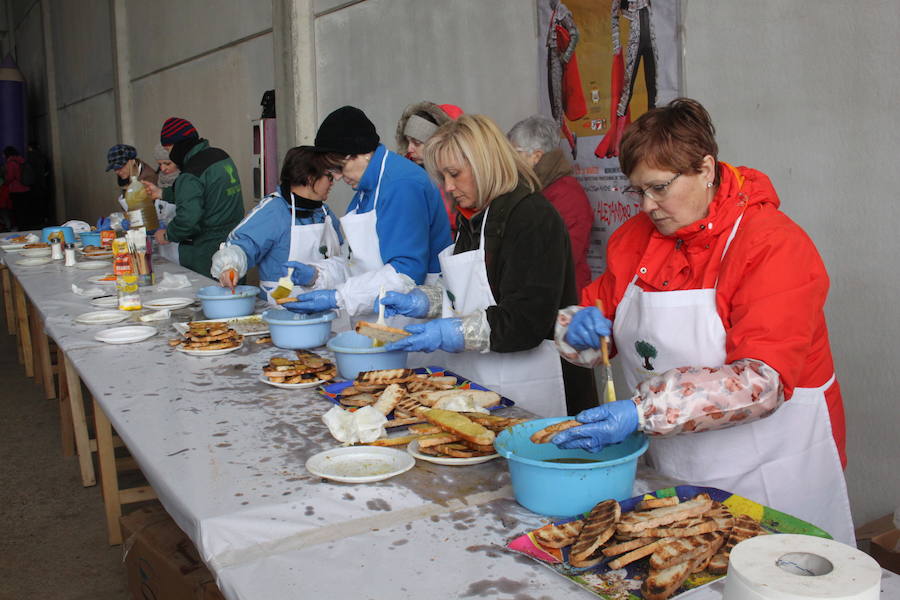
(651, 503)
(744, 528)
(395, 441)
(681, 549)
(628, 546)
(661, 584)
(381, 333)
(637, 522)
(456, 423)
(436, 439)
(558, 536)
(637, 554)
(493, 422)
(389, 399)
(598, 527)
(482, 398)
(704, 526)
(543, 436)
(384, 377)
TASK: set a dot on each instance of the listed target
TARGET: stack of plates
(101, 317)
(92, 265)
(33, 261)
(125, 335)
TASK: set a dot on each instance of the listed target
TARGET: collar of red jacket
(671, 261)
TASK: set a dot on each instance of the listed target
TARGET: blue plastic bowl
(219, 303)
(354, 353)
(297, 331)
(68, 234)
(90, 238)
(567, 489)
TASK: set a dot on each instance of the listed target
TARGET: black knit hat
(347, 130)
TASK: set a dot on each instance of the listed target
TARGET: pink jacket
(14, 175)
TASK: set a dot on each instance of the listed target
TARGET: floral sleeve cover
(692, 399)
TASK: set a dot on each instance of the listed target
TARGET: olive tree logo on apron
(645, 350)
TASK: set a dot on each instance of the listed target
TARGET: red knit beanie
(176, 129)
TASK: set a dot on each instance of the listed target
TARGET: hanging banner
(603, 63)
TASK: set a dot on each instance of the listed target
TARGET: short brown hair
(304, 166)
(496, 167)
(676, 136)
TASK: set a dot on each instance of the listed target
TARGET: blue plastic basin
(68, 234)
(567, 489)
(354, 353)
(219, 303)
(296, 331)
(90, 238)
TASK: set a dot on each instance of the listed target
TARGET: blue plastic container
(354, 353)
(295, 331)
(68, 234)
(567, 489)
(219, 303)
(90, 238)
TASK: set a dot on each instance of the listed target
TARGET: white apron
(787, 461)
(531, 378)
(309, 243)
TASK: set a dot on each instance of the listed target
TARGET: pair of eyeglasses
(655, 192)
(338, 171)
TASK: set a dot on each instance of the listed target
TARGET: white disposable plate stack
(125, 335)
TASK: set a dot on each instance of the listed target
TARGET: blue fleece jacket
(265, 234)
(412, 223)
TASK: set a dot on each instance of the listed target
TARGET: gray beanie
(160, 153)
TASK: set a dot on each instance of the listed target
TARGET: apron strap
(378, 185)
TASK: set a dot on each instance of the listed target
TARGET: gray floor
(52, 530)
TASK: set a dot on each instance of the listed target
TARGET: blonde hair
(475, 139)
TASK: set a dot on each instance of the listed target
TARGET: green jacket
(208, 205)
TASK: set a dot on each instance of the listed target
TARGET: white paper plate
(292, 386)
(209, 352)
(104, 256)
(169, 303)
(413, 449)
(105, 302)
(12, 247)
(101, 279)
(125, 335)
(92, 265)
(359, 464)
(33, 261)
(36, 252)
(101, 317)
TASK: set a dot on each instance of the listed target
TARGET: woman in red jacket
(716, 303)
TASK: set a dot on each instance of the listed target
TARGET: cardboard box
(161, 561)
(882, 550)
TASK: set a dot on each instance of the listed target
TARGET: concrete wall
(805, 91)
(381, 55)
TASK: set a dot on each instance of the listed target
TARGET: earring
(709, 184)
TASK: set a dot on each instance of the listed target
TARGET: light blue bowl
(295, 331)
(354, 353)
(68, 234)
(567, 489)
(219, 303)
(90, 238)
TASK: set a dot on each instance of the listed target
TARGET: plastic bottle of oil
(137, 198)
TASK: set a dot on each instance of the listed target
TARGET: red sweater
(570, 201)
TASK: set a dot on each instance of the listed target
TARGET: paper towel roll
(800, 567)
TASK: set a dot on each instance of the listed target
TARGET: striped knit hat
(176, 129)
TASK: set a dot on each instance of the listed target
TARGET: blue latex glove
(605, 424)
(103, 224)
(125, 224)
(303, 273)
(414, 304)
(439, 334)
(587, 327)
(313, 302)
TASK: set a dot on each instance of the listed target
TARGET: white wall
(806, 91)
(381, 55)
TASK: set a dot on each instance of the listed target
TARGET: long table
(225, 454)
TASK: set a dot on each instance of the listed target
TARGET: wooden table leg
(79, 423)
(66, 430)
(24, 333)
(8, 300)
(109, 479)
(43, 357)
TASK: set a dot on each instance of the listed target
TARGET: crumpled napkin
(364, 425)
(77, 226)
(92, 292)
(159, 315)
(173, 281)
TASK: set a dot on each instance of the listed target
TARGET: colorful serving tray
(333, 390)
(625, 583)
